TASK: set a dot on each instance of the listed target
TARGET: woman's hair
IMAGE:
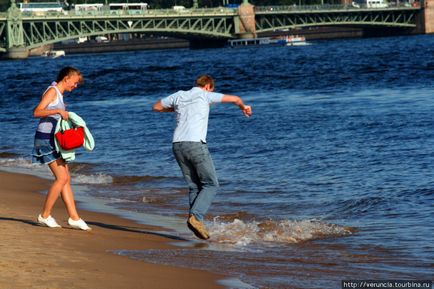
(68, 71)
(203, 80)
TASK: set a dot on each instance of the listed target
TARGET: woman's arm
(41, 109)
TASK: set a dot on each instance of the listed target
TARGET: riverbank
(119, 45)
(40, 257)
(314, 33)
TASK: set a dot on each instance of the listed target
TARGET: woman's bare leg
(60, 172)
(68, 198)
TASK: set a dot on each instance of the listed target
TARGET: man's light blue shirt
(192, 111)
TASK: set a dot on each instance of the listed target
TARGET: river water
(331, 179)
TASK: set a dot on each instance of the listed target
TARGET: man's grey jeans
(199, 172)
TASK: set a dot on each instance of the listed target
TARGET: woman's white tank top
(48, 124)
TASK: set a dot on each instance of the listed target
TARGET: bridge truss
(45, 31)
(400, 18)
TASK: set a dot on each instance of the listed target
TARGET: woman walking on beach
(50, 109)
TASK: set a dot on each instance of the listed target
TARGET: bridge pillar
(17, 53)
(15, 34)
(245, 24)
(429, 16)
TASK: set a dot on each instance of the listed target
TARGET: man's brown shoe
(197, 228)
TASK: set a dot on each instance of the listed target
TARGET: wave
(82, 168)
(104, 72)
(422, 192)
(27, 166)
(242, 233)
(156, 68)
(123, 180)
(92, 179)
(16, 162)
(81, 172)
(359, 207)
(4, 155)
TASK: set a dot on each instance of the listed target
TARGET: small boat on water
(276, 41)
(295, 40)
(255, 41)
(53, 53)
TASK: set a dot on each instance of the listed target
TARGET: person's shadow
(137, 230)
(28, 222)
(134, 230)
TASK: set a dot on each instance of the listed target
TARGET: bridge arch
(396, 18)
(47, 31)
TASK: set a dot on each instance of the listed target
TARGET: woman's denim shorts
(44, 151)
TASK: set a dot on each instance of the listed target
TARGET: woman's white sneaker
(79, 224)
(49, 222)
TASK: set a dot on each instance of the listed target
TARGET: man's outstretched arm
(159, 107)
(246, 109)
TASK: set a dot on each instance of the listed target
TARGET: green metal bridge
(21, 31)
(270, 19)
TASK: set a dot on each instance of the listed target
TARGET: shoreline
(41, 257)
(150, 43)
(122, 46)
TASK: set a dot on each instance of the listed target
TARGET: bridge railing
(353, 6)
(196, 11)
(213, 11)
(144, 12)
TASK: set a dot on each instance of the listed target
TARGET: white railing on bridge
(211, 11)
(156, 12)
(144, 12)
(353, 6)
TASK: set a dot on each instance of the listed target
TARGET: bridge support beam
(17, 53)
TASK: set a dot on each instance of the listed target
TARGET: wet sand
(32, 256)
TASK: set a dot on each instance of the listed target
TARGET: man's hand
(247, 110)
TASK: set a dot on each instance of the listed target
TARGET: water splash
(92, 179)
(242, 233)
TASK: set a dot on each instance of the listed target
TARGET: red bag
(71, 138)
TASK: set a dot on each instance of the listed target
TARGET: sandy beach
(39, 257)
